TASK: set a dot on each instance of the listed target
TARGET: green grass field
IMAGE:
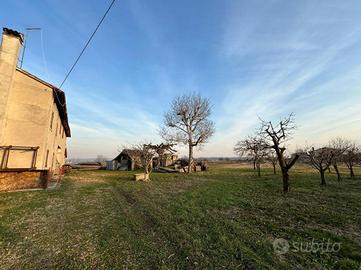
(226, 218)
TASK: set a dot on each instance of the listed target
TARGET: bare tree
(321, 159)
(339, 146)
(146, 153)
(275, 137)
(253, 148)
(351, 157)
(272, 158)
(188, 122)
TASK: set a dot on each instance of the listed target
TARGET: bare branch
(275, 137)
(188, 122)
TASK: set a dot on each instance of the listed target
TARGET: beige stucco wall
(9, 51)
(26, 120)
(29, 112)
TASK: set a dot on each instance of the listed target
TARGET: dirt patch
(86, 179)
(128, 197)
(237, 165)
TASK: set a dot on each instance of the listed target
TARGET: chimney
(9, 52)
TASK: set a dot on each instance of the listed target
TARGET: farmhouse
(33, 122)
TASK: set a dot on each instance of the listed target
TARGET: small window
(51, 121)
(52, 161)
(46, 158)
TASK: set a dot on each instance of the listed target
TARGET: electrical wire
(87, 43)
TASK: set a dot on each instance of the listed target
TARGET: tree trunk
(285, 168)
(274, 168)
(352, 174)
(132, 165)
(286, 181)
(254, 165)
(323, 180)
(337, 172)
(146, 171)
(258, 169)
(190, 158)
(329, 169)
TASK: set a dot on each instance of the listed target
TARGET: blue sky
(251, 58)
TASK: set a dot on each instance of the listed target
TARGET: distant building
(33, 122)
(168, 159)
(127, 160)
(130, 159)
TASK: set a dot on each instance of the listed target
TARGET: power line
(86, 45)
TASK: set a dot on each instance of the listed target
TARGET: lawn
(226, 218)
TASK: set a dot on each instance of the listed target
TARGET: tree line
(269, 144)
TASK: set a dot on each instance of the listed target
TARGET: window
(46, 158)
(51, 121)
(56, 130)
(52, 161)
